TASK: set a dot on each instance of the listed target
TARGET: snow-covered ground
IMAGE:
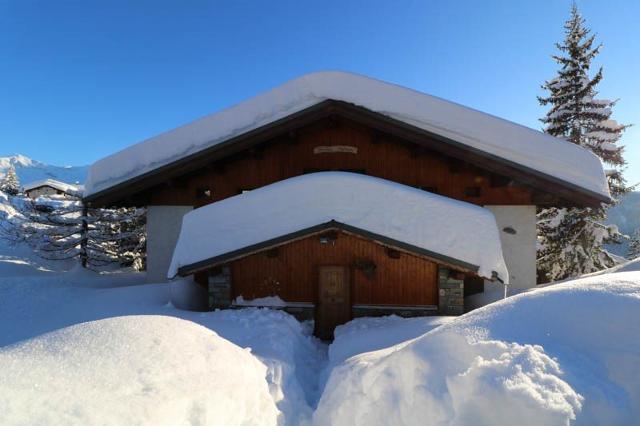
(133, 370)
(78, 347)
(550, 356)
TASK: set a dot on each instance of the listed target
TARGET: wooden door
(334, 304)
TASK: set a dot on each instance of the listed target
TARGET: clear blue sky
(82, 79)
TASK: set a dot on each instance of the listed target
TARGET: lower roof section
(392, 214)
(440, 228)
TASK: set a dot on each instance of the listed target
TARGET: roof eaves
(571, 191)
(310, 231)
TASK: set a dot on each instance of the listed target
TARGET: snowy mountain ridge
(30, 170)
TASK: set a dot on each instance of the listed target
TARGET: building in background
(49, 187)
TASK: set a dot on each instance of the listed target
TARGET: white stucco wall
(519, 249)
(163, 228)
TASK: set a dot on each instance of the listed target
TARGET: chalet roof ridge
(478, 130)
(394, 214)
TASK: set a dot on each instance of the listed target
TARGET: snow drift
(475, 129)
(292, 355)
(133, 370)
(452, 228)
(550, 356)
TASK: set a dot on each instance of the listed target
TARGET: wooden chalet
(49, 187)
(335, 267)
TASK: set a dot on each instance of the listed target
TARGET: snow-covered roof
(453, 229)
(514, 143)
(61, 186)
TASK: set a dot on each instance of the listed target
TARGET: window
(203, 193)
(472, 191)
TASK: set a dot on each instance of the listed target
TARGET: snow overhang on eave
(263, 246)
(395, 215)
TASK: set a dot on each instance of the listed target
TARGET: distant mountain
(627, 216)
(29, 170)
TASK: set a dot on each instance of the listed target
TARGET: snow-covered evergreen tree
(54, 228)
(634, 245)
(10, 183)
(571, 239)
(132, 245)
(61, 229)
(117, 236)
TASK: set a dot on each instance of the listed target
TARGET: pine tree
(571, 239)
(634, 245)
(61, 229)
(10, 183)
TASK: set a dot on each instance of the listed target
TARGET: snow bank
(368, 334)
(37, 304)
(270, 301)
(432, 222)
(133, 370)
(443, 379)
(478, 130)
(187, 294)
(548, 356)
(292, 355)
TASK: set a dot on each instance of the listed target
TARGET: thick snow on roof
(456, 229)
(61, 186)
(502, 138)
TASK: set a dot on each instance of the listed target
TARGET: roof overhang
(570, 193)
(399, 216)
(332, 225)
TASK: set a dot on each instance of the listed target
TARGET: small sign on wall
(331, 149)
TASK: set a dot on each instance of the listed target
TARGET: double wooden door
(334, 301)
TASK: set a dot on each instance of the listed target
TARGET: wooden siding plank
(292, 275)
(387, 158)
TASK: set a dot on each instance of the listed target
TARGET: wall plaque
(330, 149)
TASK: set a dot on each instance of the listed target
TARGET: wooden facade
(335, 274)
(291, 272)
(345, 146)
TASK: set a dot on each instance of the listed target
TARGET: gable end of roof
(319, 229)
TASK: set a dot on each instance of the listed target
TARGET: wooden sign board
(330, 149)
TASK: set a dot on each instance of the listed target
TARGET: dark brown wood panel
(291, 272)
(377, 154)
